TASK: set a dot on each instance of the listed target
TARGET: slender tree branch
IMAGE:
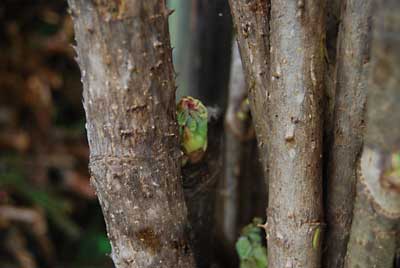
(129, 98)
(234, 128)
(252, 28)
(284, 72)
(295, 142)
(244, 189)
(375, 227)
(348, 125)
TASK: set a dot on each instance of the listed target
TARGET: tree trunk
(284, 72)
(348, 126)
(375, 227)
(129, 98)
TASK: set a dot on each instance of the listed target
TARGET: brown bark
(348, 126)
(251, 22)
(375, 227)
(284, 72)
(129, 98)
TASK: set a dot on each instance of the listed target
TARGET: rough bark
(348, 126)
(251, 22)
(129, 98)
(295, 143)
(286, 88)
(375, 226)
(371, 243)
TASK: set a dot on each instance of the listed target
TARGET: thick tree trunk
(375, 227)
(129, 97)
(348, 126)
(284, 72)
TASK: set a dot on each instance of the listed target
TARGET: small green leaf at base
(249, 247)
(243, 248)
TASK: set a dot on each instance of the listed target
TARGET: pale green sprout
(316, 237)
(192, 119)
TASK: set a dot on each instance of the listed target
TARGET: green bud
(192, 119)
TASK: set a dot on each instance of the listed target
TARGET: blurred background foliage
(49, 214)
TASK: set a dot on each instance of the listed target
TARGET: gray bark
(375, 227)
(348, 125)
(129, 98)
(284, 72)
